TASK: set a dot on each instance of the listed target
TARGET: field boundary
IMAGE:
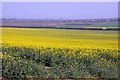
(113, 29)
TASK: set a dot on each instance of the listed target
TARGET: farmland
(26, 52)
(60, 38)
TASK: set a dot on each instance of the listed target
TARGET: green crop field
(59, 53)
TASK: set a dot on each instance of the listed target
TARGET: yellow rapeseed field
(59, 53)
(58, 38)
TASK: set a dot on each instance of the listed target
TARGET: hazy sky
(58, 10)
(60, 0)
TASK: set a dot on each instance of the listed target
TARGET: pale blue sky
(59, 0)
(58, 10)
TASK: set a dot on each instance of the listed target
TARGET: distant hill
(71, 23)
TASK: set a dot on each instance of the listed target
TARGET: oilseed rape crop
(57, 53)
